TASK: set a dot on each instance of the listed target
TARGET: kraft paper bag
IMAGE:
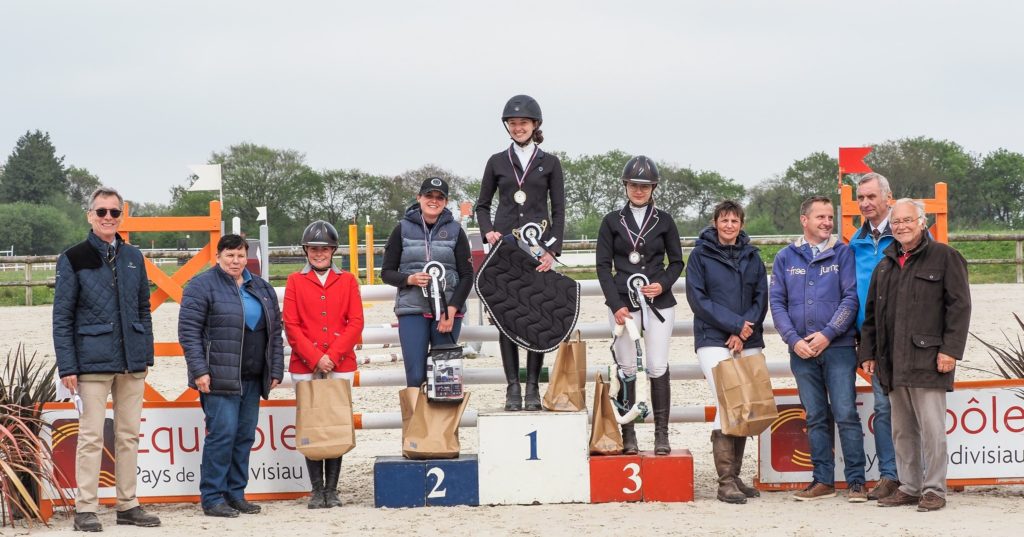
(605, 437)
(745, 398)
(324, 428)
(432, 430)
(568, 379)
(407, 402)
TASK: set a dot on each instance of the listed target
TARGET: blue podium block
(452, 481)
(401, 482)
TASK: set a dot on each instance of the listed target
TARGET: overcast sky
(135, 91)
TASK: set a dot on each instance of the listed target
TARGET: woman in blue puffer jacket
(230, 329)
(727, 288)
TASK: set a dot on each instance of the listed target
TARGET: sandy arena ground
(976, 511)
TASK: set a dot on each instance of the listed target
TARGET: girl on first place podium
(526, 180)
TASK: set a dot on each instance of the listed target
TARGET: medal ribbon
(629, 232)
(428, 234)
(526, 169)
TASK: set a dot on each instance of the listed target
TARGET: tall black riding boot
(332, 470)
(510, 362)
(627, 394)
(534, 363)
(316, 478)
(661, 400)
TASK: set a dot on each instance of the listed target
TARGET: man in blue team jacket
(868, 245)
(813, 300)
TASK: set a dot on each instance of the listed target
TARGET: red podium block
(616, 478)
(668, 478)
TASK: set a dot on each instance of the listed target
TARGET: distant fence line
(28, 263)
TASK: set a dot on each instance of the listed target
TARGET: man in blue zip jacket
(868, 245)
(813, 300)
(103, 338)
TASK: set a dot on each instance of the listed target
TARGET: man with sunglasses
(103, 338)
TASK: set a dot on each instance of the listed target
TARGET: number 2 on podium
(533, 446)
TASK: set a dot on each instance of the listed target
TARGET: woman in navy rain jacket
(727, 288)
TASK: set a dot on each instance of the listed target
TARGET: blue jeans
(416, 334)
(230, 433)
(885, 451)
(826, 387)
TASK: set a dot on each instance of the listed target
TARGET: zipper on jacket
(241, 348)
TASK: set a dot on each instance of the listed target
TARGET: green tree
(33, 172)
(775, 203)
(1000, 178)
(259, 176)
(37, 229)
(914, 165)
(691, 196)
(81, 184)
(593, 188)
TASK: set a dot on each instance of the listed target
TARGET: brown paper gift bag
(324, 428)
(430, 430)
(568, 379)
(605, 437)
(745, 398)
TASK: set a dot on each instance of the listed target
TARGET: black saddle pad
(537, 310)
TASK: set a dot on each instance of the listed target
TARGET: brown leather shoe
(856, 493)
(815, 491)
(898, 498)
(931, 502)
(883, 489)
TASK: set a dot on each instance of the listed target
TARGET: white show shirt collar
(638, 214)
(524, 153)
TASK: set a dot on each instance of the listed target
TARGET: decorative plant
(26, 462)
(1009, 360)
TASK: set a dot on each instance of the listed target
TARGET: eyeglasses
(102, 212)
(904, 221)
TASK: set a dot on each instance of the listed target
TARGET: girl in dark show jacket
(636, 240)
(530, 189)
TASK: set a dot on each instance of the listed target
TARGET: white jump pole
(393, 420)
(482, 375)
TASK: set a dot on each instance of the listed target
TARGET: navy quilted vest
(443, 236)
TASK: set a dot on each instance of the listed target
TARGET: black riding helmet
(640, 170)
(522, 106)
(320, 233)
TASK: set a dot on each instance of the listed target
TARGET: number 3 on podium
(533, 446)
(634, 476)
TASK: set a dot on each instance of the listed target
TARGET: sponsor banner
(170, 450)
(984, 422)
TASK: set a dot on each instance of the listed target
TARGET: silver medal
(519, 197)
(634, 257)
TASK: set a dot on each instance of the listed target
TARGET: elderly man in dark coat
(915, 329)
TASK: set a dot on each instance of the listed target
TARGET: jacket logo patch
(825, 269)
(131, 265)
(796, 271)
